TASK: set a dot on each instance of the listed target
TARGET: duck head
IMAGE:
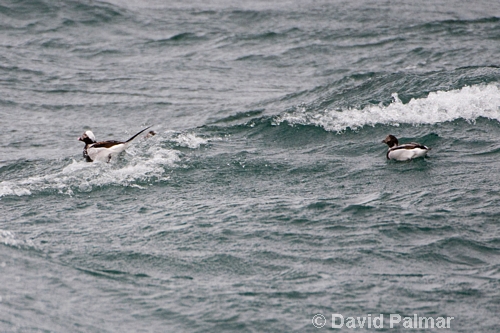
(87, 137)
(391, 141)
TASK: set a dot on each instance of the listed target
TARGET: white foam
(9, 238)
(10, 188)
(142, 164)
(190, 140)
(468, 103)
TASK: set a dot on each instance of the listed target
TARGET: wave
(50, 15)
(149, 161)
(134, 169)
(468, 103)
(10, 239)
(190, 140)
(81, 176)
(358, 90)
(181, 37)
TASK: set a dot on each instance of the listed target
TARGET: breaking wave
(134, 169)
(469, 103)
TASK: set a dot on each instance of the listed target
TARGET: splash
(190, 140)
(144, 163)
(10, 239)
(11, 188)
(468, 103)
(134, 168)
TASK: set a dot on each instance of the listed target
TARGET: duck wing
(411, 145)
(106, 144)
(102, 151)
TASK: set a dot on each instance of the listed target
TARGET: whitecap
(10, 239)
(469, 103)
(190, 140)
(141, 164)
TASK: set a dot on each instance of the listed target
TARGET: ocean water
(265, 203)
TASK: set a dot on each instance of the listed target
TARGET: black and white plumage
(405, 151)
(103, 151)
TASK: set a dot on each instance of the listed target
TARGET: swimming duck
(405, 151)
(103, 151)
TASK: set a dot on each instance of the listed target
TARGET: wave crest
(469, 103)
(131, 170)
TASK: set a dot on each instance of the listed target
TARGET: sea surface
(265, 202)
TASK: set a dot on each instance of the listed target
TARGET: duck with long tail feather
(103, 151)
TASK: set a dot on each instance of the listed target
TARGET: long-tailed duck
(103, 151)
(405, 151)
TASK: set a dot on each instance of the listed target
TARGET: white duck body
(104, 151)
(404, 152)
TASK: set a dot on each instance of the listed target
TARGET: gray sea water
(265, 202)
